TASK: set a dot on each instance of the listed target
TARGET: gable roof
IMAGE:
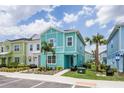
(20, 39)
(115, 29)
(35, 37)
(66, 31)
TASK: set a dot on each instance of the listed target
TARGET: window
(111, 45)
(17, 59)
(34, 59)
(51, 41)
(38, 47)
(51, 59)
(7, 48)
(31, 47)
(16, 48)
(29, 58)
(69, 41)
(1, 49)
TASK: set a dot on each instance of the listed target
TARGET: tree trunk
(97, 57)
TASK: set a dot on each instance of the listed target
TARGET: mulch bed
(48, 72)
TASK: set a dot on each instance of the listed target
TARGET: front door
(3, 60)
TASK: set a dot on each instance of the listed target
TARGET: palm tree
(98, 40)
(47, 47)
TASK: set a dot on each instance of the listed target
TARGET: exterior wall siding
(34, 54)
(64, 54)
(118, 48)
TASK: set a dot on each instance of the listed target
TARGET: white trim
(34, 86)
(55, 59)
(67, 41)
(63, 42)
(75, 42)
(120, 38)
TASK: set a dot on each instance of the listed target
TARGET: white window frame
(37, 47)
(18, 59)
(53, 41)
(67, 41)
(2, 49)
(51, 59)
(15, 46)
(30, 47)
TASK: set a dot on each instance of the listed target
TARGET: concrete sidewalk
(61, 72)
(67, 80)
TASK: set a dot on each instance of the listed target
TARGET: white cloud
(13, 14)
(36, 27)
(90, 23)
(86, 11)
(105, 14)
(68, 18)
(10, 15)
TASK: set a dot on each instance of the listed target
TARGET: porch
(5, 58)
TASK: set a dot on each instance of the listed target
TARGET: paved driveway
(6, 82)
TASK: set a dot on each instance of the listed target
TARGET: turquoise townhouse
(69, 48)
(115, 48)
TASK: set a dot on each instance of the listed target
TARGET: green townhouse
(13, 51)
(69, 48)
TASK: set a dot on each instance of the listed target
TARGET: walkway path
(61, 72)
(67, 80)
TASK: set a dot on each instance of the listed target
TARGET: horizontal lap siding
(122, 37)
(58, 36)
(113, 42)
(59, 60)
(72, 48)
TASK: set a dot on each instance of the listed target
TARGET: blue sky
(24, 21)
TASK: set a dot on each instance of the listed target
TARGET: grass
(91, 75)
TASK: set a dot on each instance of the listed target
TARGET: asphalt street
(7, 82)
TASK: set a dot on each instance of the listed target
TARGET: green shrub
(114, 69)
(49, 68)
(88, 65)
(12, 65)
(22, 65)
(93, 67)
(59, 68)
(102, 66)
(41, 68)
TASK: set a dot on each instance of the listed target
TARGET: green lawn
(91, 75)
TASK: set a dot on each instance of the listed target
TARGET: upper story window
(38, 46)
(1, 49)
(111, 45)
(52, 41)
(31, 47)
(69, 41)
(16, 48)
(7, 48)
